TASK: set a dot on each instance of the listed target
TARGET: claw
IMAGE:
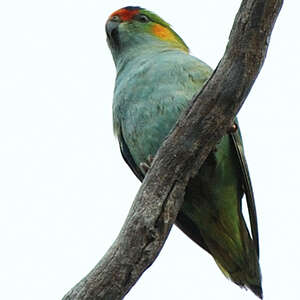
(232, 128)
(146, 165)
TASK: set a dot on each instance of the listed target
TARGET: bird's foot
(146, 165)
(233, 128)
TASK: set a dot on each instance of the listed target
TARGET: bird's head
(133, 28)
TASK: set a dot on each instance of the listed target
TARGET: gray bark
(160, 196)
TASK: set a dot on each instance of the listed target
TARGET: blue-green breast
(150, 93)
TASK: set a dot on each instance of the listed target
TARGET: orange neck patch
(125, 14)
(163, 33)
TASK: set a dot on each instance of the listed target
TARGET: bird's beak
(111, 28)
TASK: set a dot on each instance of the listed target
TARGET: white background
(64, 189)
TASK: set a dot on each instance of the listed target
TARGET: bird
(156, 79)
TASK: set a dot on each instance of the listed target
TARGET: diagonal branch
(206, 120)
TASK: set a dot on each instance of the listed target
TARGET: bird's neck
(139, 46)
(141, 54)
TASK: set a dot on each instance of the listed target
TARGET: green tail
(212, 214)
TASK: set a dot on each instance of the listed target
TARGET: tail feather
(247, 274)
(242, 281)
(238, 261)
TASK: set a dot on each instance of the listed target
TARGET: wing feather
(128, 157)
(237, 141)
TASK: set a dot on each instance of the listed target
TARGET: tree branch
(203, 124)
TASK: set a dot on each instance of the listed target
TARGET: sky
(64, 188)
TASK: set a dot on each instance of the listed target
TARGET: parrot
(156, 80)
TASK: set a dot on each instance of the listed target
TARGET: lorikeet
(156, 80)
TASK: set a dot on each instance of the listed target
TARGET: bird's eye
(142, 18)
(115, 18)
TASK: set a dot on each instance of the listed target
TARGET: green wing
(237, 141)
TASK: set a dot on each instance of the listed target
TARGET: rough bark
(206, 120)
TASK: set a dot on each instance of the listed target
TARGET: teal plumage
(158, 114)
(156, 80)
